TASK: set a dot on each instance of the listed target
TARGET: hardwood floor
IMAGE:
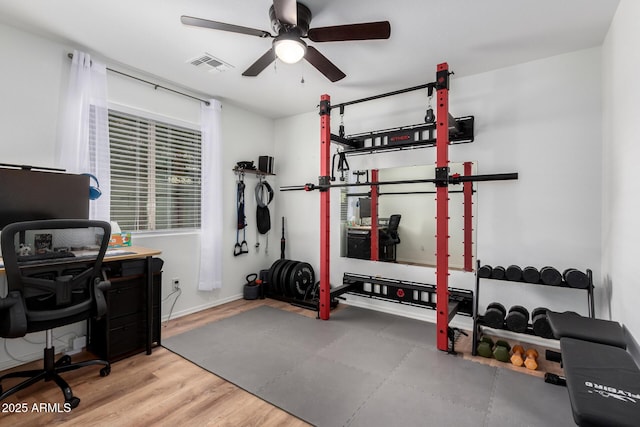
(159, 389)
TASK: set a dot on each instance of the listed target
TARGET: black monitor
(27, 195)
(365, 207)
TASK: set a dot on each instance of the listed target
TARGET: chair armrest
(13, 317)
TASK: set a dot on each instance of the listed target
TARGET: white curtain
(211, 197)
(83, 136)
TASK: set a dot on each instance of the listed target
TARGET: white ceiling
(473, 36)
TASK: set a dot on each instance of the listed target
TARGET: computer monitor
(27, 195)
(365, 207)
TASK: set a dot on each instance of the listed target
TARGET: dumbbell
(501, 351)
(485, 271)
(494, 316)
(531, 275)
(531, 362)
(576, 278)
(517, 358)
(550, 276)
(541, 326)
(513, 273)
(518, 319)
(498, 273)
(485, 347)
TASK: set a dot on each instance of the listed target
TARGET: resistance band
(240, 248)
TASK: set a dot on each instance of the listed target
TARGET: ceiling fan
(290, 20)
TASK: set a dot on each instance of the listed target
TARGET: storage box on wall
(265, 164)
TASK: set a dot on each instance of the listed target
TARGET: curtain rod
(155, 85)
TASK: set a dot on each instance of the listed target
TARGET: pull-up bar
(431, 86)
(452, 179)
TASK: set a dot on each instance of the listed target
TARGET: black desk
(359, 243)
(132, 323)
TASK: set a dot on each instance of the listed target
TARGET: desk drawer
(126, 297)
(127, 335)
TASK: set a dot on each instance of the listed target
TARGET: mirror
(413, 240)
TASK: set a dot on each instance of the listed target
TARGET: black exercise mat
(365, 368)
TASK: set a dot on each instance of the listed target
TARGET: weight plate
(284, 277)
(300, 278)
(531, 275)
(514, 273)
(270, 277)
(275, 280)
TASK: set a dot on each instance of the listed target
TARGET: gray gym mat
(366, 368)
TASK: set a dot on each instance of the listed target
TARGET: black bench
(571, 325)
(603, 383)
(602, 378)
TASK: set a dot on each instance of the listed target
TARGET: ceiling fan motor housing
(301, 27)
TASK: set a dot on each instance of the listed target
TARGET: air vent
(210, 62)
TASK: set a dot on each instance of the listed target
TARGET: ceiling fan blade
(322, 64)
(262, 63)
(337, 33)
(214, 25)
(286, 11)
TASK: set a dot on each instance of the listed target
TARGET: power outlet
(176, 284)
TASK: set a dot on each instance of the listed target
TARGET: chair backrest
(53, 270)
(394, 222)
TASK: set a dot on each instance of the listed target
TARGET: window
(155, 174)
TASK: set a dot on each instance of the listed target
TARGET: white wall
(33, 79)
(541, 119)
(621, 180)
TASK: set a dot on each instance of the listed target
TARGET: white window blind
(155, 174)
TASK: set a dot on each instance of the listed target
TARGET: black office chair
(390, 238)
(48, 293)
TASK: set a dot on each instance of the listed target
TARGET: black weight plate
(301, 277)
(284, 277)
(498, 273)
(485, 271)
(576, 278)
(276, 277)
(550, 276)
(514, 273)
(271, 278)
(531, 275)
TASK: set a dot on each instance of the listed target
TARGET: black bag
(263, 219)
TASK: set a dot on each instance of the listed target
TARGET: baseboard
(191, 310)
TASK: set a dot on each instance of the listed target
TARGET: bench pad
(603, 383)
(601, 331)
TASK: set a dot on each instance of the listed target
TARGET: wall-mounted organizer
(516, 319)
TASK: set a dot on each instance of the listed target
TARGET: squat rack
(442, 180)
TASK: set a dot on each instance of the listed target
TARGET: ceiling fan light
(289, 50)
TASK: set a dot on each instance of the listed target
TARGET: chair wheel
(64, 360)
(73, 402)
(105, 371)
